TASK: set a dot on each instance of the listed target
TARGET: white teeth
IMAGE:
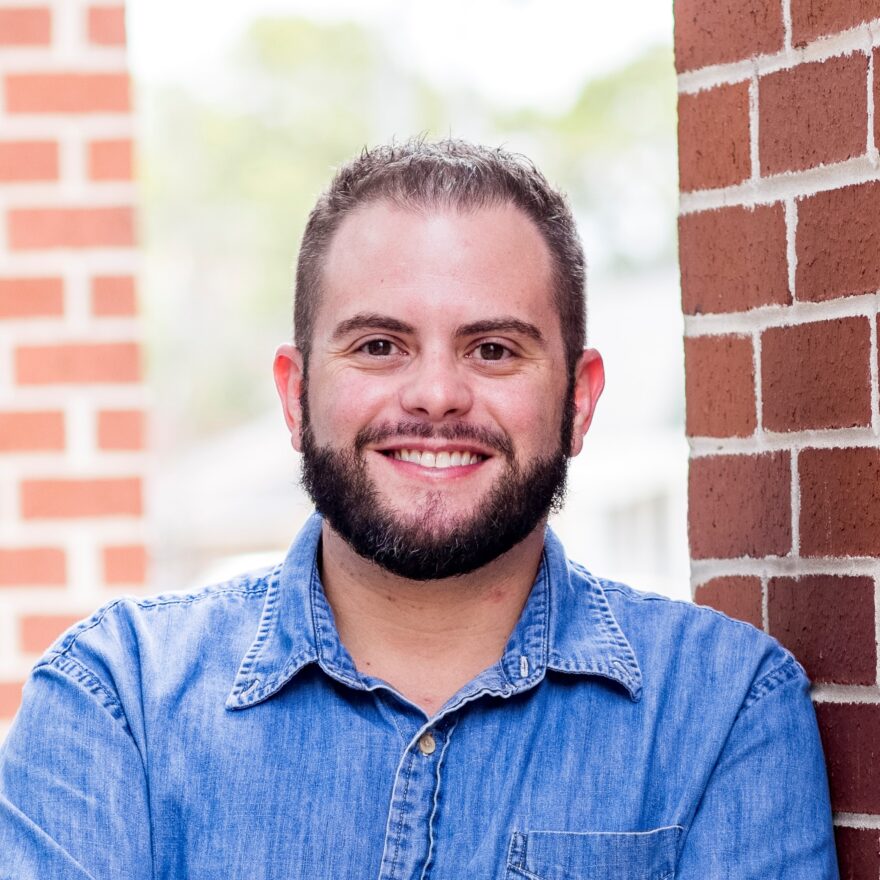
(440, 460)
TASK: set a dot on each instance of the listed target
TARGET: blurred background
(242, 113)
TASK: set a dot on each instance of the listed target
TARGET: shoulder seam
(786, 671)
(145, 604)
(83, 676)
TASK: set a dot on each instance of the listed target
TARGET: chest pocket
(565, 855)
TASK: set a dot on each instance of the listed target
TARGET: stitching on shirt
(145, 604)
(399, 830)
(75, 671)
(267, 621)
(788, 670)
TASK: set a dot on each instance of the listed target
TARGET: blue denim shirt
(227, 734)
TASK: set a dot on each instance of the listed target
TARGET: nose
(436, 388)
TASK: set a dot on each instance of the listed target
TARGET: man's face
(437, 420)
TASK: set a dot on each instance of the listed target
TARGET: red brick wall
(72, 403)
(779, 238)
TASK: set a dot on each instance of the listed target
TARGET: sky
(515, 52)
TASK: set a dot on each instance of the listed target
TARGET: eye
(379, 348)
(491, 351)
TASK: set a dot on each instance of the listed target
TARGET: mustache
(496, 440)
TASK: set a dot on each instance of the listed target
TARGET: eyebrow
(501, 325)
(371, 321)
(376, 321)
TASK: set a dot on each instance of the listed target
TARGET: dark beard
(343, 492)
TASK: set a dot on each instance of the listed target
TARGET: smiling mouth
(437, 460)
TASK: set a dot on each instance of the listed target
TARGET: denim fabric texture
(227, 734)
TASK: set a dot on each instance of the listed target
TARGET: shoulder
(135, 643)
(697, 647)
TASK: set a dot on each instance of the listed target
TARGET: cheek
(340, 405)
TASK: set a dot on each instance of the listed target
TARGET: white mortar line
(795, 505)
(779, 187)
(772, 441)
(765, 602)
(791, 245)
(100, 260)
(131, 395)
(845, 43)
(856, 820)
(69, 192)
(844, 693)
(786, 24)
(782, 566)
(100, 125)
(79, 419)
(754, 123)
(743, 323)
(38, 60)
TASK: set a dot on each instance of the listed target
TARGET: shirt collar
(567, 625)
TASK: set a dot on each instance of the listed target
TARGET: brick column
(71, 398)
(779, 239)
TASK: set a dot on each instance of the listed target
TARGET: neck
(426, 638)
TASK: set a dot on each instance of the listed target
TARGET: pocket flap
(601, 855)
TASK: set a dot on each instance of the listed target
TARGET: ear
(588, 384)
(288, 370)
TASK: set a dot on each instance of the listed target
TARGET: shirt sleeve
(73, 792)
(765, 811)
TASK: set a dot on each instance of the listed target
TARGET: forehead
(488, 259)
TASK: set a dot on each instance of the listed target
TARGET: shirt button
(427, 744)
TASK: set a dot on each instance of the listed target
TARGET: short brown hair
(449, 173)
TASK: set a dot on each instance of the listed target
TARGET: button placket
(408, 832)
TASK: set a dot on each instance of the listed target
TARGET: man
(426, 687)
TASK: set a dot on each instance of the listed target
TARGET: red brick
(106, 25)
(31, 431)
(719, 386)
(110, 160)
(120, 429)
(816, 375)
(26, 566)
(827, 622)
(739, 505)
(815, 18)
(31, 228)
(876, 97)
(736, 596)
(858, 853)
(813, 114)
(28, 160)
(68, 92)
(715, 33)
(75, 363)
(733, 259)
(838, 243)
(713, 137)
(10, 698)
(125, 564)
(39, 631)
(851, 739)
(113, 296)
(30, 26)
(840, 504)
(31, 297)
(69, 498)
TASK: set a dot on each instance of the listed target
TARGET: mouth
(439, 460)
